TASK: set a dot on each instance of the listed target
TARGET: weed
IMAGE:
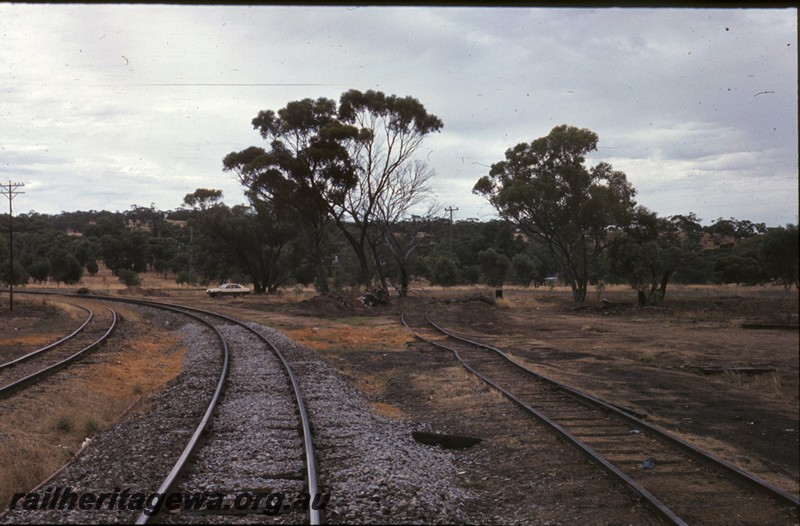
(763, 383)
(91, 426)
(64, 424)
(647, 358)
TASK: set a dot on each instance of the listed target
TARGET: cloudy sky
(107, 106)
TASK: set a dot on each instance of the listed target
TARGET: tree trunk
(403, 282)
(322, 279)
(379, 271)
(641, 297)
(579, 290)
(662, 290)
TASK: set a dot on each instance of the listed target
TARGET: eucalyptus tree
(545, 190)
(391, 130)
(397, 227)
(305, 173)
(640, 257)
(494, 267)
(326, 165)
(251, 240)
(781, 249)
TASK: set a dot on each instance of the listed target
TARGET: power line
(451, 210)
(11, 190)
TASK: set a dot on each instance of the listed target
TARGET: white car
(228, 289)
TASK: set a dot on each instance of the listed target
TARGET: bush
(128, 277)
(182, 277)
(65, 268)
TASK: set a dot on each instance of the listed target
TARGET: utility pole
(11, 191)
(451, 210)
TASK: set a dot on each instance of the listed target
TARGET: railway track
(242, 467)
(246, 454)
(30, 368)
(681, 483)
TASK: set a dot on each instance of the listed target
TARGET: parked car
(228, 289)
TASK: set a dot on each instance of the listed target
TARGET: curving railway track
(242, 466)
(244, 451)
(681, 483)
(33, 367)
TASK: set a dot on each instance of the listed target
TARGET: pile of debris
(373, 298)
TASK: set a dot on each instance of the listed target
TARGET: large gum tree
(338, 164)
(545, 190)
(305, 172)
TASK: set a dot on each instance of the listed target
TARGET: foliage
(781, 249)
(128, 277)
(212, 242)
(494, 267)
(338, 166)
(182, 277)
(65, 268)
(39, 270)
(643, 256)
(545, 190)
(254, 240)
(524, 268)
(443, 272)
(16, 274)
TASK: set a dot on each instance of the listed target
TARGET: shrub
(182, 277)
(128, 277)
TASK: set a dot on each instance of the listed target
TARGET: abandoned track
(680, 482)
(30, 368)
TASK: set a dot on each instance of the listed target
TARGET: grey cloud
(671, 93)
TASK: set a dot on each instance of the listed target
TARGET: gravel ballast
(370, 468)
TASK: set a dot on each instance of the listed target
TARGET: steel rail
(308, 446)
(748, 478)
(651, 499)
(172, 477)
(311, 464)
(68, 337)
(18, 385)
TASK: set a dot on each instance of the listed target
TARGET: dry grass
(769, 383)
(35, 322)
(369, 334)
(388, 411)
(42, 430)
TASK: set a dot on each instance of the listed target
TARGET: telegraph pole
(11, 190)
(451, 210)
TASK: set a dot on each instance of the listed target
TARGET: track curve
(33, 367)
(194, 458)
(679, 481)
(200, 462)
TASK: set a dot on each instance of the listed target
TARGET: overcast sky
(107, 106)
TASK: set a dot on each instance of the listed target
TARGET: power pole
(11, 190)
(451, 210)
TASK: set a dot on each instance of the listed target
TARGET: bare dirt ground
(654, 361)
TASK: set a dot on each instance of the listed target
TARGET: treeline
(339, 197)
(214, 242)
